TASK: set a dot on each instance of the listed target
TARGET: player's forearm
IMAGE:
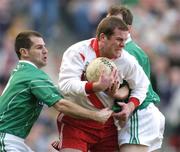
(75, 110)
(93, 87)
(131, 106)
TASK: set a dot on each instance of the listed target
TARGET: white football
(94, 68)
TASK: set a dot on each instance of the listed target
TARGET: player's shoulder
(27, 72)
(40, 77)
(80, 48)
(79, 45)
(26, 67)
(34, 72)
(126, 60)
(128, 57)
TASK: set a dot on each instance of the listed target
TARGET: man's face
(38, 54)
(113, 46)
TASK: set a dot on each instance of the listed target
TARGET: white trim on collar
(29, 62)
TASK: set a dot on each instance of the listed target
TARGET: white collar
(29, 62)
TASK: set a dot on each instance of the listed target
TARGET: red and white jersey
(74, 87)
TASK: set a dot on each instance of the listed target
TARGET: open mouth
(45, 58)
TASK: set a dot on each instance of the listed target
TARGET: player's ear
(102, 37)
(24, 53)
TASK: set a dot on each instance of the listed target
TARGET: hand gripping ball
(95, 67)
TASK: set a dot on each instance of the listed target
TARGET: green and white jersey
(132, 48)
(21, 102)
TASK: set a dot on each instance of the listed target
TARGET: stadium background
(64, 22)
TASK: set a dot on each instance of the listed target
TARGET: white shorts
(145, 127)
(11, 143)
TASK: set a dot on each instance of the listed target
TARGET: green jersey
(132, 48)
(21, 102)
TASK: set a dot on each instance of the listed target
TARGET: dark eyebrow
(119, 38)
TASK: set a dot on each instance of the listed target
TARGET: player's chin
(43, 64)
(44, 61)
(117, 54)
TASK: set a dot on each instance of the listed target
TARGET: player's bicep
(45, 91)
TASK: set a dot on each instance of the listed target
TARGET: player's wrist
(92, 87)
(131, 106)
(134, 103)
(89, 87)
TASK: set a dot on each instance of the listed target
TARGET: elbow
(60, 105)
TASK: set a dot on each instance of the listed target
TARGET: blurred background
(64, 22)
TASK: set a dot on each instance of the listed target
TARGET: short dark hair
(127, 16)
(23, 40)
(108, 24)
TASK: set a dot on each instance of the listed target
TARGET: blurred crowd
(64, 22)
